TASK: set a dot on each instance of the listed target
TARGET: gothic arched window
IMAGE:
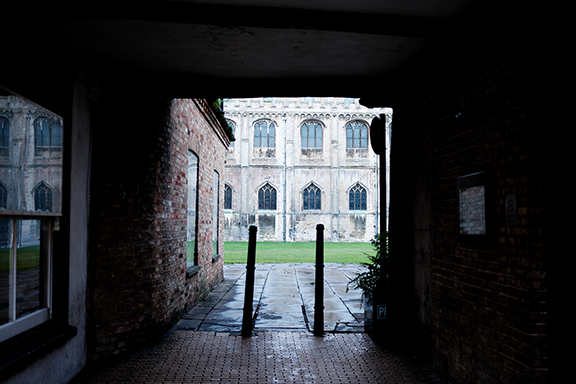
(267, 197)
(227, 197)
(357, 198)
(356, 135)
(312, 197)
(311, 134)
(4, 136)
(43, 198)
(3, 196)
(48, 137)
(264, 134)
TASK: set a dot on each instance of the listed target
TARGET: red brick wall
(482, 305)
(137, 261)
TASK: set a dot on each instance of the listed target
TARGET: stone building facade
(297, 162)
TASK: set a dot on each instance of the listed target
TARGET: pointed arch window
(311, 197)
(264, 134)
(267, 197)
(227, 197)
(43, 198)
(357, 197)
(311, 139)
(3, 196)
(48, 137)
(356, 135)
(4, 136)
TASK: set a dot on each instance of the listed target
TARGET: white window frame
(15, 326)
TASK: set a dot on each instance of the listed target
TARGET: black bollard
(249, 291)
(319, 294)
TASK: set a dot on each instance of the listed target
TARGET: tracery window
(264, 134)
(43, 198)
(357, 139)
(311, 142)
(227, 197)
(267, 197)
(311, 197)
(357, 197)
(48, 137)
(4, 136)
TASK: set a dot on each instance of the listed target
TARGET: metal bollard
(249, 291)
(319, 294)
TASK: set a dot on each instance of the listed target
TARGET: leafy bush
(377, 273)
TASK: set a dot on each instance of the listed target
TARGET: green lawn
(275, 252)
(26, 258)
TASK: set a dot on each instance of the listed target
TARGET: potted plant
(374, 278)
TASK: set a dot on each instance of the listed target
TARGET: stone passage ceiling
(235, 42)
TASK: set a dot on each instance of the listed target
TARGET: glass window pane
(257, 135)
(364, 136)
(5, 268)
(356, 135)
(273, 200)
(192, 208)
(349, 137)
(271, 136)
(304, 131)
(227, 197)
(45, 133)
(318, 136)
(28, 277)
(215, 210)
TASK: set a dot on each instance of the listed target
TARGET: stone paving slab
(284, 298)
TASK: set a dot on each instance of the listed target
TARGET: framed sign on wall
(474, 206)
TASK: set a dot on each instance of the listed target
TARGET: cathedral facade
(299, 162)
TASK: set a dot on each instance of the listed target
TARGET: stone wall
(139, 283)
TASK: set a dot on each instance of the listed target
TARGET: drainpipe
(377, 191)
(284, 221)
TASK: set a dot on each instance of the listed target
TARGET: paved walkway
(283, 300)
(206, 346)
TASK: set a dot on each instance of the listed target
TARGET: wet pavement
(206, 345)
(284, 296)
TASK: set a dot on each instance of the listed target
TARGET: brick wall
(138, 285)
(482, 304)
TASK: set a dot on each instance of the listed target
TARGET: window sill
(18, 352)
(215, 258)
(191, 271)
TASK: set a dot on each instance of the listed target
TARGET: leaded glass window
(264, 134)
(4, 136)
(267, 197)
(48, 137)
(356, 135)
(311, 134)
(312, 197)
(43, 198)
(227, 197)
(357, 197)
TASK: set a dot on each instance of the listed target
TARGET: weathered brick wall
(483, 304)
(138, 286)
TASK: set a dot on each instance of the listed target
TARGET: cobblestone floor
(268, 357)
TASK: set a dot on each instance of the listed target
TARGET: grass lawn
(26, 258)
(276, 252)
